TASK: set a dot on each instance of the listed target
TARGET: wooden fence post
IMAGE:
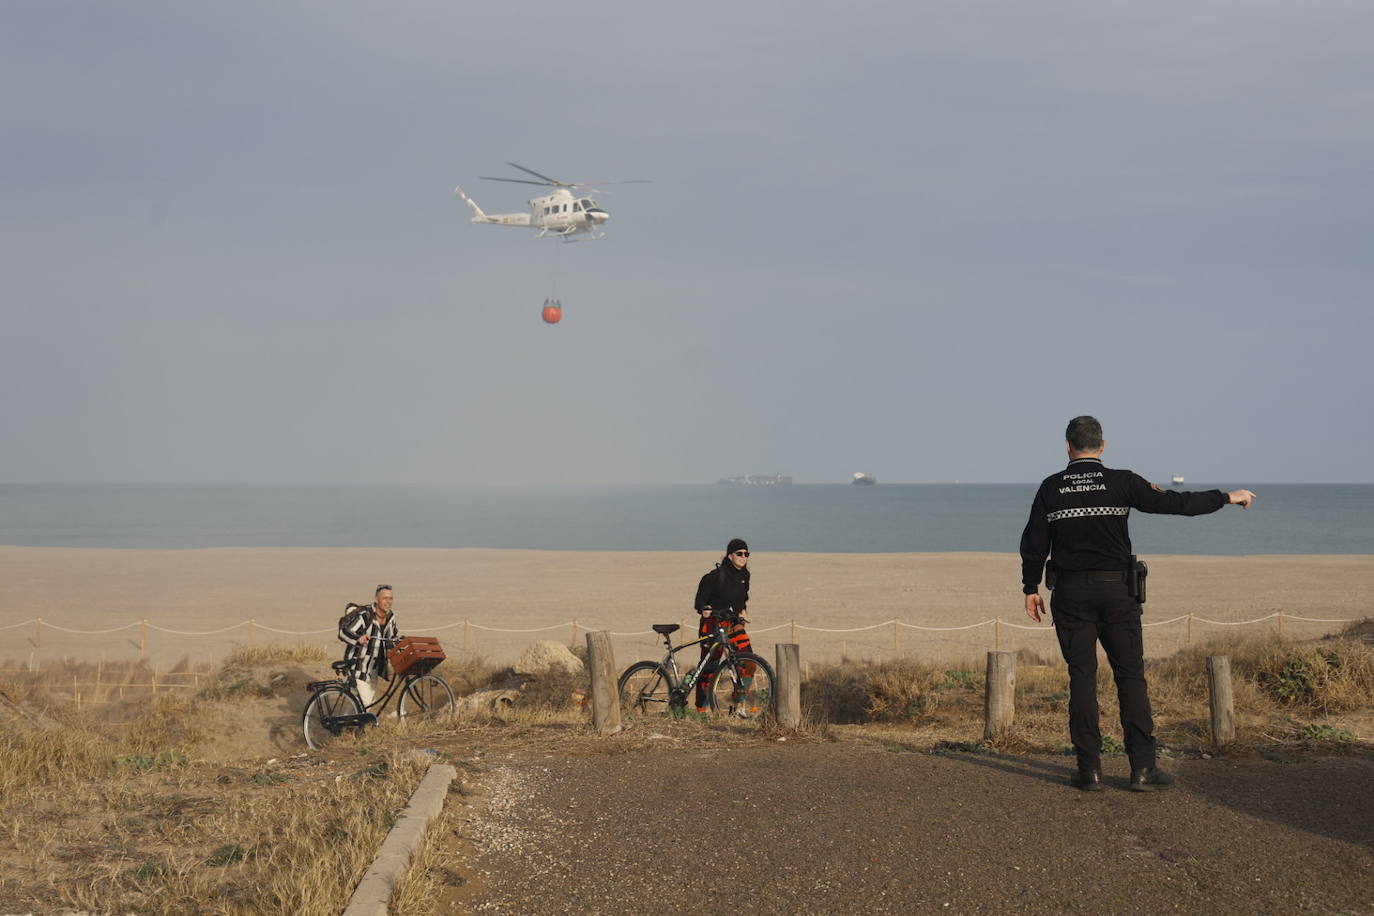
(605, 697)
(896, 636)
(572, 641)
(38, 632)
(1220, 699)
(142, 636)
(788, 698)
(251, 621)
(465, 634)
(1280, 624)
(794, 629)
(999, 698)
(997, 632)
(1190, 628)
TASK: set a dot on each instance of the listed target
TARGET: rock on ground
(548, 657)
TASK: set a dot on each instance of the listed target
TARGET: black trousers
(1094, 607)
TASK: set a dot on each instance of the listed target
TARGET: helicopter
(560, 214)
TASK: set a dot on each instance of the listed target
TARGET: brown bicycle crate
(415, 655)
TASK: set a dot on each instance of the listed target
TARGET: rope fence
(575, 626)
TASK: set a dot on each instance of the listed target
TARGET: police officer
(1078, 521)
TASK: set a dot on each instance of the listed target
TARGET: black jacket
(1079, 517)
(723, 589)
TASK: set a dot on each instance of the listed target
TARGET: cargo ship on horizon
(756, 480)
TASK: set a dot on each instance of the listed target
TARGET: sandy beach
(299, 590)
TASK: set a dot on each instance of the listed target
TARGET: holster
(1051, 575)
(1135, 579)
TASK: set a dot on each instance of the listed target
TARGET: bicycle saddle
(341, 667)
(666, 628)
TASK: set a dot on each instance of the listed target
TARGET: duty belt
(1091, 575)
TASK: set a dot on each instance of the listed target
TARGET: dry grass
(260, 656)
(153, 832)
(1284, 692)
(67, 682)
(107, 808)
(895, 691)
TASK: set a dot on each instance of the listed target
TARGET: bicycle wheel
(327, 703)
(644, 690)
(425, 697)
(743, 687)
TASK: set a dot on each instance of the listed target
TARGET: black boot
(1087, 780)
(1149, 779)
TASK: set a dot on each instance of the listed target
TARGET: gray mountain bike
(741, 683)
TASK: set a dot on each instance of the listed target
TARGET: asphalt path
(858, 828)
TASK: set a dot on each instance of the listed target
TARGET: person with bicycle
(723, 598)
(365, 631)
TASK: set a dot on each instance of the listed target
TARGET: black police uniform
(1078, 521)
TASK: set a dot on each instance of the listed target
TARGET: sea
(808, 518)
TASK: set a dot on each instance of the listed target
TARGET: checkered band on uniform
(1087, 511)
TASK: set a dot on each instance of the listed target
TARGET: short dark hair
(1084, 434)
(380, 589)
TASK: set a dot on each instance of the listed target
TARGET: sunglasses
(741, 553)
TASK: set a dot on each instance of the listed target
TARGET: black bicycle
(741, 682)
(336, 707)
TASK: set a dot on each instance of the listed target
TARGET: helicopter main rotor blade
(553, 181)
(542, 184)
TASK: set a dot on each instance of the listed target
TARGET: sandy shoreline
(303, 589)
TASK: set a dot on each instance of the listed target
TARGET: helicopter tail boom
(499, 219)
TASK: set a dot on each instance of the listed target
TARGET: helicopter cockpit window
(588, 203)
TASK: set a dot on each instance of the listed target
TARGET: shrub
(896, 691)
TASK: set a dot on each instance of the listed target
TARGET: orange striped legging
(738, 638)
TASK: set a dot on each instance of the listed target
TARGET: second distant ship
(864, 480)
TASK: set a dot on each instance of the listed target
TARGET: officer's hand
(1035, 606)
(1241, 498)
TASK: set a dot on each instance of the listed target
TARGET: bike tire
(327, 702)
(738, 694)
(425, 697)
(645, 691)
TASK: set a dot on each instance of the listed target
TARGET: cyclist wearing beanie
(723, 597)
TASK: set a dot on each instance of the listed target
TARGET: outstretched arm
(1147, 497)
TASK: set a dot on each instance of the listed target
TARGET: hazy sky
(905, 238)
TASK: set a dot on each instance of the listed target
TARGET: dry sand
(625, 592)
